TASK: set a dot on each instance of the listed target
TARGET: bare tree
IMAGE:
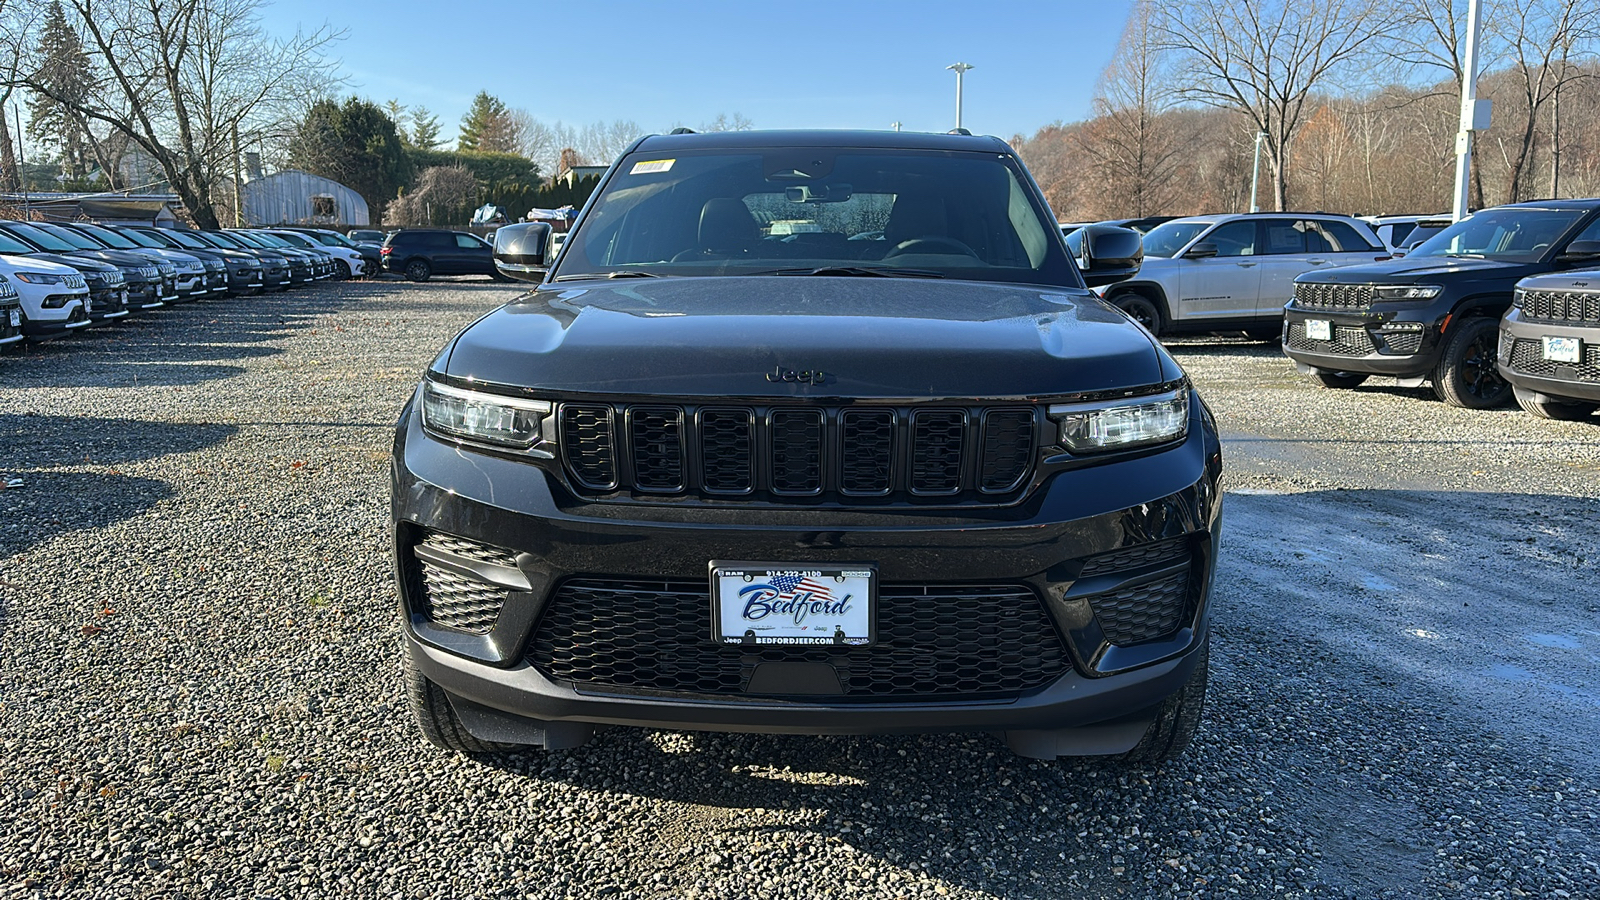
(603, 142)
(725, 122)
(17, 21)
(185, 76)
(1265, 59)
(1135, 151)
(1542, 39)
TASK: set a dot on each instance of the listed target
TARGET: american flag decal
(791, 584)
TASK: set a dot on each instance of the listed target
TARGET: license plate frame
(1563, 349)
(787, 611)
(16, 318)
(1319, 330)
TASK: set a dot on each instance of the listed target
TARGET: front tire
(436, 718)
(1466, 375)
(419, 270)
(1342, 379)
(1177, 718)
(1142, 310)
(1546, 407)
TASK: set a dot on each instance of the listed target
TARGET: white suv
(55, 298)
(1235, 272)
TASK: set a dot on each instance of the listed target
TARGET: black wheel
(1546, 407)
(1142, 310)
(418, 270)
(1341, 379)
(437, 719)
(1466, 375)
(1177, 718)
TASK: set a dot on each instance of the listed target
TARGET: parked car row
(60, 277)
(1483, 309)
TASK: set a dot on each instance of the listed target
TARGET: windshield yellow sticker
(652, 167)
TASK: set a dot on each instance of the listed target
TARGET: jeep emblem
(805, 376)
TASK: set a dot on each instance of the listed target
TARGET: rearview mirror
(521, 250)
(818, 193)
(1108, 253)
(1202, 250)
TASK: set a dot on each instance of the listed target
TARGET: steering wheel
(931, 244)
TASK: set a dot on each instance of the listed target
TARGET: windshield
(142, 239)
(267, 240)
(926, 213)
(1511, 234)
(47, 237)
(217, 240)
(329, 238)
(9, 244)
(1168, 238)
(294, 239)
(187, 240)
(108, 236)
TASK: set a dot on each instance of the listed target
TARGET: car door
(475, 255)
(1284, 256)
(1225, 285)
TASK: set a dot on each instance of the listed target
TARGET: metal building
(293, 197)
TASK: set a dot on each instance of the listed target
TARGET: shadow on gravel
(37, 442)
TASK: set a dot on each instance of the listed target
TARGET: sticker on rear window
(652, 167)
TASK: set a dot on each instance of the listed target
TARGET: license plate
(1563, 349)
(16, 318)
(793, 603)
(1319, 330)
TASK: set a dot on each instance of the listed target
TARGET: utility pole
(1474, 113)
(238, 190)
(960, 70)
(1255, 172)
(22, 164)
(895, 125)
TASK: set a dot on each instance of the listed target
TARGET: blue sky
(821, 63)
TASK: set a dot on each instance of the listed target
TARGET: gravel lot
(198, 692)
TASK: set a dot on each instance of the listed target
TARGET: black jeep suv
(1434, 314)
(421, 253)
(809, 432)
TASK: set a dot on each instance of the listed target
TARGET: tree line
(193, 87)
(1356, 101)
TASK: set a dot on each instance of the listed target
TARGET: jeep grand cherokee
(889, 467)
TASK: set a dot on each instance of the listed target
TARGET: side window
(1591, 232)
(1341, 238)
(437, 241)
(1234, 239)
(1285, 236)
(468, 242)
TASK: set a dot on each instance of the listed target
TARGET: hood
(175, 256)
(1587, 280)
(79, 263)
(121, 258)
(1418, 269)
(13, 263)
(868, 337)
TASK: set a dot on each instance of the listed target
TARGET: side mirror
(1108, 253)
(1202, 250)
(1580, 251)
(521, 251)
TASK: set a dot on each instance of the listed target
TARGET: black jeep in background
(421, 253)
(1434, 314)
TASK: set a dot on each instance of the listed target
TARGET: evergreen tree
(424, 129)
(65, 68)
(355, 144)
(396, 111)
(487, 127)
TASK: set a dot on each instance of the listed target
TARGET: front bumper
(1388, 340)
(71, 320)
(1522, 361)
(1168, 498)
(107, 304)
(144, 295)
(9, 333)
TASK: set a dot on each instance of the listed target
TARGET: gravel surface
(198, 692)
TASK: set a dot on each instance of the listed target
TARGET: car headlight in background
(485, 418)
(1409, 292)
(1124, 423)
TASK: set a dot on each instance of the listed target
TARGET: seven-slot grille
(797, 452)
(1334, 296)
(1560, 306)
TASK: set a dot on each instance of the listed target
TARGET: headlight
(1120, 424)
(42, 278)
(1409, 292)
(487, 418)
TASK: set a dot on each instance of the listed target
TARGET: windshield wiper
(625, 273)
(861, 272)
(1468, 255)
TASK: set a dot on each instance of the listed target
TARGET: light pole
(1255, 172)
(960, 70)
(1474, 114)
(895, 125)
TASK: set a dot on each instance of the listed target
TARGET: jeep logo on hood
(806, 376)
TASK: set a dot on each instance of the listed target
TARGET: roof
(1587, 203)
(886, 140)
